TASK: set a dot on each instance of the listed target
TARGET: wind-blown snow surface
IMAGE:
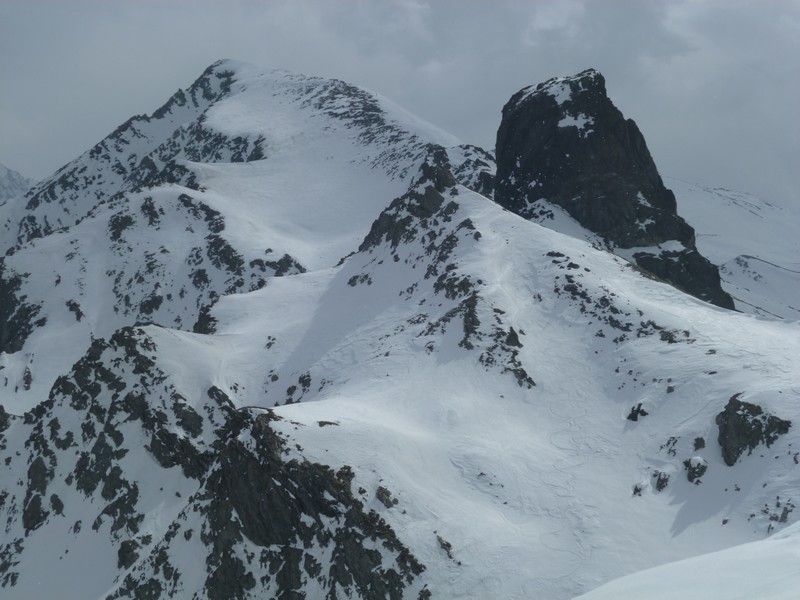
(767, 570)
(754, 242)
(468, 406)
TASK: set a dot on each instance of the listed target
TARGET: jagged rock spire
(565, 143)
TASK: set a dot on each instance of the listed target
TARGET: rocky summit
(276, 340)
(563, 143)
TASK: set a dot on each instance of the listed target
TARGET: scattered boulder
(661, 480)
(636, 412)
(695, 467)
(385, 497)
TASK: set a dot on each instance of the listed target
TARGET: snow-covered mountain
(12, 184)
(284, 345)
(231, 182)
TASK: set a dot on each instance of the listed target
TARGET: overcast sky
(714, 85)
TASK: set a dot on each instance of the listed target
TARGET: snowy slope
(467, 405)
(767, 570)
(754, 242)
(12, 184)
(544, 476)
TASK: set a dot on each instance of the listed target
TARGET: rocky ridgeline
(103, 185)
(414, 249)
(424, 227)
(564, 143)
(116, 164)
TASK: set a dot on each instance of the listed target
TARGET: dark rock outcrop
(263, 520)
(636, 412)
(688, 270)
(661, 480)
(695, 467)
(564, 142)
(743, 426)
(4, 419)
(17, 317)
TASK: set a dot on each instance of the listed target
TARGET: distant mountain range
(283, 339)
(13, 184)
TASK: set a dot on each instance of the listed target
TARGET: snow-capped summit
(565, 152)
(565, 89)
(233, 113)
(12, 183)
(246, 174)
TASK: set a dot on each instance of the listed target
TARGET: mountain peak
(285, 141)
(564, 90)
(564, 144)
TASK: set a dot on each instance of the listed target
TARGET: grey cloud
(712, 83)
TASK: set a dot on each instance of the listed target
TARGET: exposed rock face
(17, 317)
(688, 270)
(4, 419)
(743, 426)
(264, 532)
(564, 142)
